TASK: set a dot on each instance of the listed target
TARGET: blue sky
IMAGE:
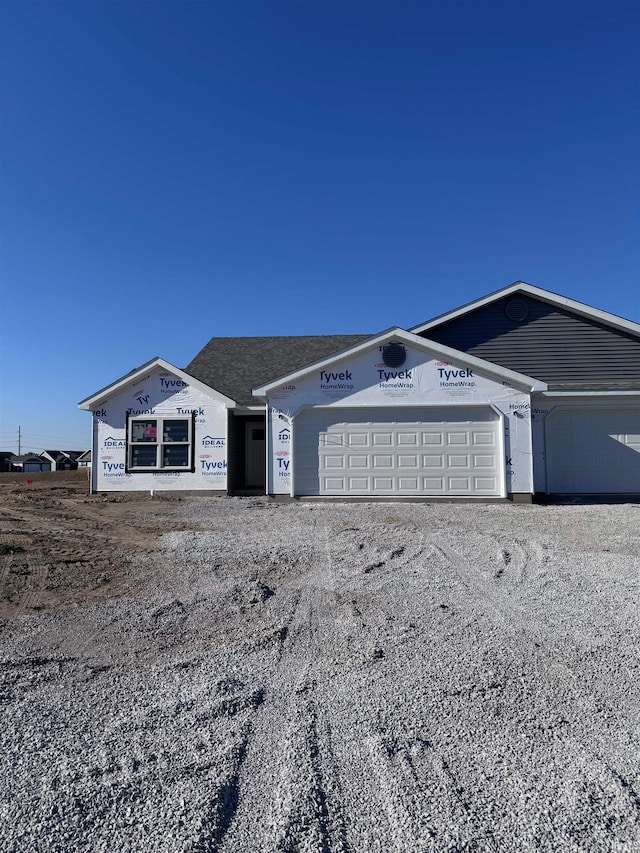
(172, 172)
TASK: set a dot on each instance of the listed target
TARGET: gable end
(531, 336)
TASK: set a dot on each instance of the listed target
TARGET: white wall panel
(159, 393)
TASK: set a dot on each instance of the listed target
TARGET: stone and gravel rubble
(336, 677)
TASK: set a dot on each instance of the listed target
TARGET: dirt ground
(61, 547)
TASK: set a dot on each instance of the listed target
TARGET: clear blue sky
(172, 172)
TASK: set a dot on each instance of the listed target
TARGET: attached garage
(439, 451)
(593, 450)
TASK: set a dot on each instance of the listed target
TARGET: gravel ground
(332, 677)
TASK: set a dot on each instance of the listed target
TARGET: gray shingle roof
(234, 366)
(27, 457)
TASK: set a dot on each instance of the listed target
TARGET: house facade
(62, 460)
(30, 463)
(84, 460)
(520, 392)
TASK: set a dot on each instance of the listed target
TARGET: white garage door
(398, 452)
(593, 451)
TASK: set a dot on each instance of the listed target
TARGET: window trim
(161, 469)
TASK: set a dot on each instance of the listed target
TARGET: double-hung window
(160, 444)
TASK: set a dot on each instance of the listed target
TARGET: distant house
(62, 460)
(29, 463)
(84, 460)
(5, 460)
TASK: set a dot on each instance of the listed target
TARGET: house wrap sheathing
(401, 416)
(160, 394)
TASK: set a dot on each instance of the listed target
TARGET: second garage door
(401, 452)
(593, 450)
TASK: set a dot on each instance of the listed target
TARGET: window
(160, 444)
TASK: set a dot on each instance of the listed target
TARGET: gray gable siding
(234, 366)
(557, 346)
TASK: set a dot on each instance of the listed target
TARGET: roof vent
(393, 355)
(517, 310)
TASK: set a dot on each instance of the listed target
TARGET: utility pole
(18, 441)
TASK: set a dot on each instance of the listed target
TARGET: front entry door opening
(254, 455)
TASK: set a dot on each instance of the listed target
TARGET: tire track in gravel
(503, 602)
(400, 800)
(611, 801)
(510, 610)
(309, 811)
(510, 563)
(396, 791)
(409, 786)
(37, 581)
(7, 559)
(289, 751)
(309, 789)
(486, 586)
(512, 559)
(308, 814)
(522, 562)
(421, 795)
(5, 567)
(221, 810)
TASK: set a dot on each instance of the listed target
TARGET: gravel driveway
(331, 677)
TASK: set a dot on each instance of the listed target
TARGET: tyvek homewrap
(363, 380)
(161, 394)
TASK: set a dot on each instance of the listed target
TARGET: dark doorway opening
(247, 457)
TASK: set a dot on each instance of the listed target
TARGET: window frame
(159, 444)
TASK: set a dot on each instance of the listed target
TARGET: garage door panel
(365, 443)
(360, 484)
(485, 483)
(332, 441)
(382, 461)
(408, 484)
(383, 484)
(460, 484)
(407, 438)
(405, 461)
(431, 438)
(458, 461)
(432, 461)
(382, 439)
(336, 484)
(481, 460)
(357, 439)
(358, 461)
(458, 438)
(483, 438)
(333, 461)
(433, 485)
